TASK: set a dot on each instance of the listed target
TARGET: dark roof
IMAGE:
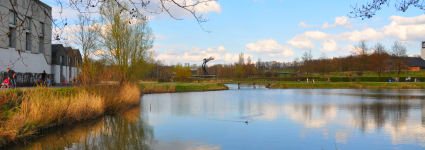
(68, 50)
(416, 62)
(56, 47)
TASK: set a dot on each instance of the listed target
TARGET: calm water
(277, 119)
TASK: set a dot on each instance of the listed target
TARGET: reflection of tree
(377, 114)
(124, 131)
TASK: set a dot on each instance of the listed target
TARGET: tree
(182, 73)
(378, 60)
(307, 61)
(323, 64)
(85, 36)
(399, 54)
(126, 43)
(361, 50)
(238, 71)
(368, 10)
(249, 68)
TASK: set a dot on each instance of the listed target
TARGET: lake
(257, 118)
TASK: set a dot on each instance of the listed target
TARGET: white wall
(27, 62)
(57, 78)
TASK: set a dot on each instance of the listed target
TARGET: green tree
(182, 73)
(126, 42)
(238, 71)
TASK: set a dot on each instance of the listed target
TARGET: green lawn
(392, 85)
(165, 87)
(373, 74)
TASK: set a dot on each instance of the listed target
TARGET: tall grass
(43, 108)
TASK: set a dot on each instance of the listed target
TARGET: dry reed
(43, 108)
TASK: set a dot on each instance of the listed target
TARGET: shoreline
(26, 113)
(351, 85)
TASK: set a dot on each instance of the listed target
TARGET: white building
(25, 41)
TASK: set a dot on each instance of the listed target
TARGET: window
(28, 23)
(11, 37)
(12, 17)
(42, 28)
(61, 60)
(41, 45)
(28, 41)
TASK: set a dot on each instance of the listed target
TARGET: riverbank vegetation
(25, 113)
(347, 85)
(171, 87)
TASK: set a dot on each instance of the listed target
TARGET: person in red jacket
(5, 83)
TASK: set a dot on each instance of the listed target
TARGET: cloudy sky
(280, 30)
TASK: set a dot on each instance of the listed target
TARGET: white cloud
(221, 49)
(301, 42)
(339, 22)
(329, 46)
(305, 25)
(368, 34)
(406, 28)
(408, 20)
(271, 48)
(196, 55)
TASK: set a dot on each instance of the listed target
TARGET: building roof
(416, 62)
(56, 47)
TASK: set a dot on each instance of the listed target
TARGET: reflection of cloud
(341, 136)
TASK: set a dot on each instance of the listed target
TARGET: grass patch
(23, 113)
(171, 87)
(354, 85)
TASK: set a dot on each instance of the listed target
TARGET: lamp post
(341, 73)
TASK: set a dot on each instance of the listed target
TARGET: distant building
(416, 63)
(65, 61)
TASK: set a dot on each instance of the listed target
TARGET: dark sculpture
(205, 63)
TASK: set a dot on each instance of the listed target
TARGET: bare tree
(307, 62)
(369, 9)
(378, 60)
(361, 51)
(400, 56)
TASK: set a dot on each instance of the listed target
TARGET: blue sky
(271, 29)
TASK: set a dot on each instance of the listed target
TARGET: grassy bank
(24, 113)
(348, 85)
(171, 87)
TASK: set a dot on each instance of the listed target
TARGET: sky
(278, 30)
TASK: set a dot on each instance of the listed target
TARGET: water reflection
(277, 119)
(124, 131)
(348, 117)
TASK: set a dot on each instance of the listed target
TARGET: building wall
(19, 58)
(66, 73)
(24, 63)
(415, 68)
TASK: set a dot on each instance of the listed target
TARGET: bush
(275, 74)
(268, 74)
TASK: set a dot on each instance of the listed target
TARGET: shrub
(268, 74)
